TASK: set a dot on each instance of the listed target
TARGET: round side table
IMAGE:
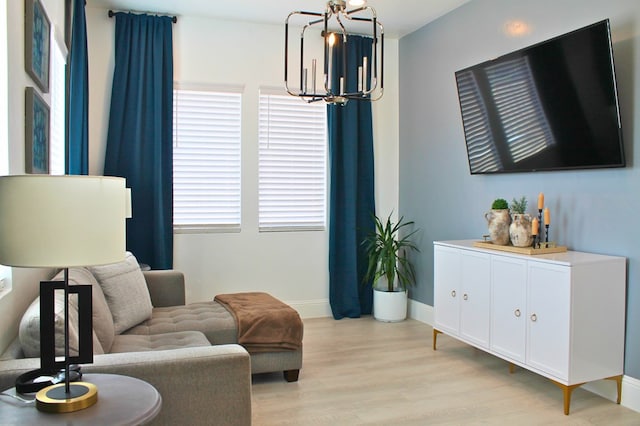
(122, 400)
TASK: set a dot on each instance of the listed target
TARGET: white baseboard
(605, 388)
(312, 308)
(420, 312)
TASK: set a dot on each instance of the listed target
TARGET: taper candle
(547, 217)
(540, 201)
(534, 226)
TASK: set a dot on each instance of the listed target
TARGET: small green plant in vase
(498, 221)
(499, 204)
(520, 228)
(519, 206)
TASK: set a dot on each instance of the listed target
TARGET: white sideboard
(559, 315)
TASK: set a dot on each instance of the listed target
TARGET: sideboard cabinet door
(475, 301)
(447, 282)
(548, 322)
(508, 307)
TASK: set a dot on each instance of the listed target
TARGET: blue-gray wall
(594, 211)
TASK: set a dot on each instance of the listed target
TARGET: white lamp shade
(62, 221)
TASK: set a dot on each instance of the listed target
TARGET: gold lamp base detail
(54, 399)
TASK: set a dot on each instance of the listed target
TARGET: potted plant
(498, 220)
(520, 228)
(389, 269)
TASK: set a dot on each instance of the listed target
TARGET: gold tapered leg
(566, 391)
(512, 368)
(618, 380)
(435, 337)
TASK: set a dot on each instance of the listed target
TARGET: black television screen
(550, 106)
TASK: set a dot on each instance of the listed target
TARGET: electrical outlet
(2, 284)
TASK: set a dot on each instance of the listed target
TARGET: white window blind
(292, 163)
(206, 159)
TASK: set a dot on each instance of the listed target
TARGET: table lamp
(61, 222)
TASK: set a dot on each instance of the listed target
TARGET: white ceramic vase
(498, 221)
(520, 230)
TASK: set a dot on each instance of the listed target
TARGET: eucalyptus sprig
(519, 206)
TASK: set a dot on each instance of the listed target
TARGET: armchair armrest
(166, 287)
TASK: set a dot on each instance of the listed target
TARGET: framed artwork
(37, 30)
(36, 133)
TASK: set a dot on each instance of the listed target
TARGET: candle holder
(546, 236)
(540, 225)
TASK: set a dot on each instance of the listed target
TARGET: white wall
(290, 265)
(25, 282)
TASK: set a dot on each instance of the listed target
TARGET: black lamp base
(55, 399)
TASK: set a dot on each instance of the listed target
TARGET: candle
(534, 226)
(540, 201)
(547, 217)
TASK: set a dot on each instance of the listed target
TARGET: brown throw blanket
(265, 324)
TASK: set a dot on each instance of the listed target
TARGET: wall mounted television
(550, 106)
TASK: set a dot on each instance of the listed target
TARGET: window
(206, 159)
(292, 163)
(58, 110)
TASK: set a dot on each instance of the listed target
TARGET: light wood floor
(364, 372)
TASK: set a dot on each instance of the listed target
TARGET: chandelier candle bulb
(360, 79)
(313, 74)
(365, 73)
(304, 79)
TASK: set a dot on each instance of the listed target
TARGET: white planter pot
(389, 306)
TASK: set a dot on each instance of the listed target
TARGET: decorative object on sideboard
(389, 267)
(498, 219)
(36, 43)
(520, 228)
(333, 23)
(61, 222)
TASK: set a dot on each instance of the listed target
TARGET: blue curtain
(352, 201)
(140, 136)
(78, 115)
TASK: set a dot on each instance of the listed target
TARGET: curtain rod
(174, 19)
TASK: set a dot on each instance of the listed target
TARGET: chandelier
(315, 82)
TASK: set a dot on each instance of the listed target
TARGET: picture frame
(37, 33)
(36, 133)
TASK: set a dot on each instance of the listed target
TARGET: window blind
(206, 159)
(292, 163)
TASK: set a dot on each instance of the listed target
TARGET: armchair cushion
(126, 292)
